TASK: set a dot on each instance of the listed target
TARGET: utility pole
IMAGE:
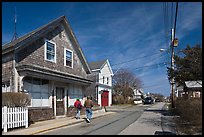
(172, 57)
(172, 67)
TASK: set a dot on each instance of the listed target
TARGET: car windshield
(148, 98)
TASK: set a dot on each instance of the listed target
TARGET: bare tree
(124, 82)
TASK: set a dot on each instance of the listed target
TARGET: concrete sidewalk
(151, 122)
(42, 126)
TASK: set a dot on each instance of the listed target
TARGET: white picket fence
(13, 117)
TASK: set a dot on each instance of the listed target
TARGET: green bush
(15, 99)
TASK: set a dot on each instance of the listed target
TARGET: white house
(137, 93)
(102, 86)
(193, 88)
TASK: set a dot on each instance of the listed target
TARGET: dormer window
(68, 58)
(50, 51)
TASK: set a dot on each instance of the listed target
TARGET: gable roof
(96, 65)
(194, 84)
(18, 42)
(23, 41)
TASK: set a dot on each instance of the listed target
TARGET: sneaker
(87, 120)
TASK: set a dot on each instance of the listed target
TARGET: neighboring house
(101, 89)
(137, 94)
(193, 88)
(190, 89)
(48, 64)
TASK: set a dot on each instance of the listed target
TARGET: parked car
(138, 101)
(148, 100)
(157, 100)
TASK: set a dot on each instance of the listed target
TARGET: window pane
(50, 51)
(68, 57)
(45, 99)
(50, 57)
(68, 54)
(68, 63)
(50, 47)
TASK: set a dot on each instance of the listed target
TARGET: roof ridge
(32, 32)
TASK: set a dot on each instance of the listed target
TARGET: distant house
(190, 89)
(193, 88)
(138, 93)
(48, 64)
(101, 89)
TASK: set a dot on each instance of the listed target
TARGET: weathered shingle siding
(34, 55)
(7, 65)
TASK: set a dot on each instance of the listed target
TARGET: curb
(51, 128)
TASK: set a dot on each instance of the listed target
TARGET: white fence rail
(13, 117)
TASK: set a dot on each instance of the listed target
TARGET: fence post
(26, 117)
(5, 118)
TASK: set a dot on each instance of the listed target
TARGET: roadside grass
(190, 115)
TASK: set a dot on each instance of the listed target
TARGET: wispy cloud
(189, 18)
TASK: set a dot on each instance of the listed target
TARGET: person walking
(78, 106)
(88, 104)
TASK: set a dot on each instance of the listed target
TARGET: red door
(104, 98)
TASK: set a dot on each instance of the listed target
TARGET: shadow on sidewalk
(164, 133)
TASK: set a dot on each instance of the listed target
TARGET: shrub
(190, 110)
(118, 99)
(15, 99)
(131, 101)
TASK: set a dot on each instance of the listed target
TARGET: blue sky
(131, 32)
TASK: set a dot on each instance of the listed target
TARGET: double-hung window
(50, 51)
(68, 58)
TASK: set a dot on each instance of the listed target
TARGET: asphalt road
(107, 125)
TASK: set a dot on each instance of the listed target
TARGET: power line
(135, 59)
(142, 67)
(149, 65)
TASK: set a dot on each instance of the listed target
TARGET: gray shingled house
(48, 64)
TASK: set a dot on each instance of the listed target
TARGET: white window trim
(45, 51)
(65, 49)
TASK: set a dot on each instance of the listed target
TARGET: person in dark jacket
(78, 106)
(88, 104)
